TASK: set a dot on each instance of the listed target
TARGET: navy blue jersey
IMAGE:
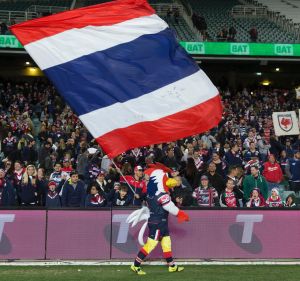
(155, 204)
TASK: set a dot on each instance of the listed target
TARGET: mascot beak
(171, 183)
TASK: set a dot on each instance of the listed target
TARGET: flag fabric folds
(119, 66)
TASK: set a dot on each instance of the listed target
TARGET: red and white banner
(285, 123)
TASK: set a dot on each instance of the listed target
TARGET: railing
(46, 9)
(248, 11)
(163, 8)
(287, 24)
(16, 16)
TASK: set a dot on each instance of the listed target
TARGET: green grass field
(159, 273)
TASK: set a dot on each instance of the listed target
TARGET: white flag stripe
(178, 96)
(75, 43)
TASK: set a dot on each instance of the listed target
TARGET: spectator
(274, 200)
(220, 164)
(67, 167)
(44, 155)
(255, 180)
(191, 173)
(292, 170)
(7, 192)
(231, 34)
(56, 174)
(252, 153)
(9, 143)
(73, 193)
(28, 153)
(169, 160)
(214, 178)
(82, 163)
(233, 157)
(229, 198)
(256, 199)
(28, 192)
(288, 149)
(94, 197)
(3, 28)
(137, 184)
(208, 140)
(253, 34)
(121, 197)
(273, 173)
(283, 160)
(263, 148)
(290, 201)
(102, 185)
(52, 196)
(205, 195)
(42, 186)
(198, 159)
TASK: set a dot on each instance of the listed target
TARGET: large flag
(285, 123)
(120, 68)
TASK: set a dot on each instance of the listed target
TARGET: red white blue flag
(120, 68)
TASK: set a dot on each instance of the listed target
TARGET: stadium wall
(105, 235)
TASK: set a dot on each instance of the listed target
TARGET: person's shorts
(158, 230)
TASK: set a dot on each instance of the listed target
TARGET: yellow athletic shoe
(137, 270)
(176, 268)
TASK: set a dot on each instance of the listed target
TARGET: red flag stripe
(107, 14)
(204, 116)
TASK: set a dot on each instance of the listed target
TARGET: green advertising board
(209, 48)
(241, 49)
(10, 41)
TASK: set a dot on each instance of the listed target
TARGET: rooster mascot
(156, 216)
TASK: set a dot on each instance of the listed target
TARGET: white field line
(100, 263)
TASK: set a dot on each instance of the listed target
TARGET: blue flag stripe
(121, 73)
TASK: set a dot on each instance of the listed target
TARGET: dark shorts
(158, 230)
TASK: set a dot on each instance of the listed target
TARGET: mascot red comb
(156, 216)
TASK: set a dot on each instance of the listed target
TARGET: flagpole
(119, 170)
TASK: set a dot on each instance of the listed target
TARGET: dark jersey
(155, 204)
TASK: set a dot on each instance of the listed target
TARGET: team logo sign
(285, 122)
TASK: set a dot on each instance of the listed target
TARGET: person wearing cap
(73, 192)
(205, 195)
(67, 167)
(52, 197)
(274, 201)
(7, 192)
(138, 185)
(102, 184)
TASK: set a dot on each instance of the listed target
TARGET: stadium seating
(181, 28)
(22, 5)
(218, 15)
(288, 8)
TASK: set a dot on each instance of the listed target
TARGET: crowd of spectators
(49, 159)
